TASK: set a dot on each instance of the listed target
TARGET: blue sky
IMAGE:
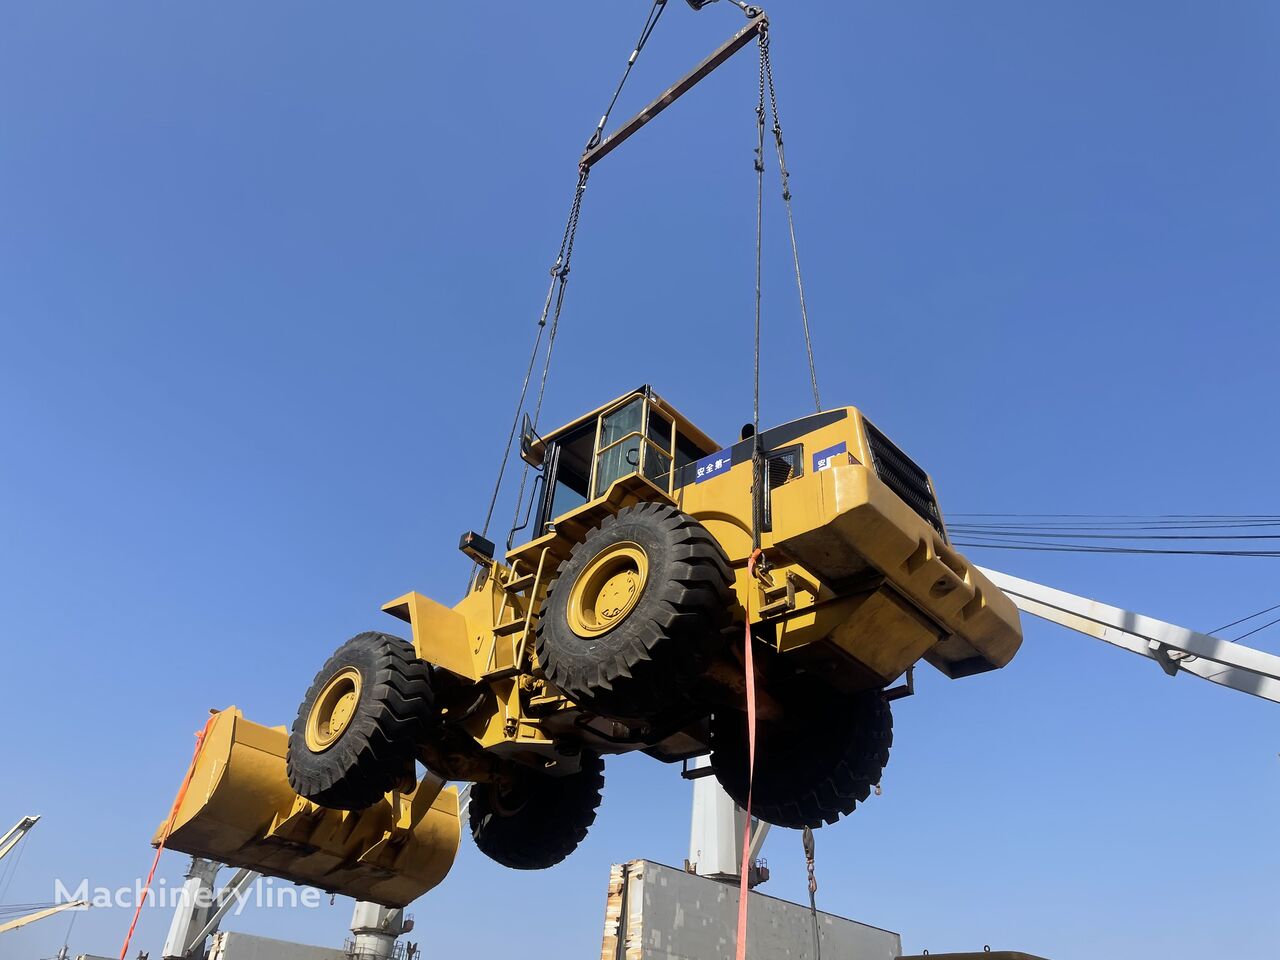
(268, 277)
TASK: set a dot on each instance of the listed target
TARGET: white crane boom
(41, 914)
(16, 833)
(1176, 649)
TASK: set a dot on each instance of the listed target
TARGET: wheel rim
(332, 711)
(608, 590)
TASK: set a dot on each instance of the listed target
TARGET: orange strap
(748, 664)
(168, 828)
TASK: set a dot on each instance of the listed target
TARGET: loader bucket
(238, 809)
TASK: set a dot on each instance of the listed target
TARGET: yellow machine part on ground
(238, 809)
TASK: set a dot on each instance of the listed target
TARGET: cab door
(633, 437)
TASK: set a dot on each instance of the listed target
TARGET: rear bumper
(843, 523)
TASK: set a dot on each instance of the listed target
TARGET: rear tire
(538, 821)
(814, 769)
(675, 601)
(357, 730)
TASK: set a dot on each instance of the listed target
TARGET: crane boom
(41, 914)
(16, 833)
(1176, 649)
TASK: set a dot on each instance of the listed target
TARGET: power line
(1258, 629)
(1125, 525)
(1131, 516)
(21, 909)
(1038, 546)
(997, 531)
(1235, 623)
(1059, 533)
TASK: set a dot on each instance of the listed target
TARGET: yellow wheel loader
(618, 625)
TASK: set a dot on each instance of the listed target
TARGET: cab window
(567, 468)
(619, 444)
(635, 437)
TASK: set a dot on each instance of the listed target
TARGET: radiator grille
(780, 466)
(901, 475)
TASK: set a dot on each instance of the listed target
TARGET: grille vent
(901, 475)
(780, 466)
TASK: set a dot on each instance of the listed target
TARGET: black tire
(377, 748)
(814, 768)
(539, 820)
(642, 667)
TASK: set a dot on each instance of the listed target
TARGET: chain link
(807, 839)
(766, 105)
(650, 24)
(560, 280)
(555, 294)
(766, 67)
(757, 458)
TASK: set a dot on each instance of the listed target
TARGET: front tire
(358, 728)
(634, 615)
(538, 820)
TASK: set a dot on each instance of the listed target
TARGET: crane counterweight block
(240, 810)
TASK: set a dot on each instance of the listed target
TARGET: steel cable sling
(766, 80)
(560, 278)
(598, 147)
(757, 565)
(757, 461)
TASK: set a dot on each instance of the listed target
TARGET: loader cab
(638, 433)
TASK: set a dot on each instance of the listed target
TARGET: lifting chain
(813, 892)
(555, 295)
(559, 281)
(757, 455)
(768, 96)
(655, 13)
(767, 105)
(766, 80)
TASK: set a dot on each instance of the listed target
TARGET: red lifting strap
(168, 828)
(748, 663)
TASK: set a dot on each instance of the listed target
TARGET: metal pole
(193, 910)
(374, 929)
(227, 898)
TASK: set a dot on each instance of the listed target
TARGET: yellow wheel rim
(608, 590)
(332, 712)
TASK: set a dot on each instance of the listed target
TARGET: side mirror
(528, 436)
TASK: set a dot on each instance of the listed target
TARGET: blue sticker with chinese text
(713, 465)
(827, 458)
